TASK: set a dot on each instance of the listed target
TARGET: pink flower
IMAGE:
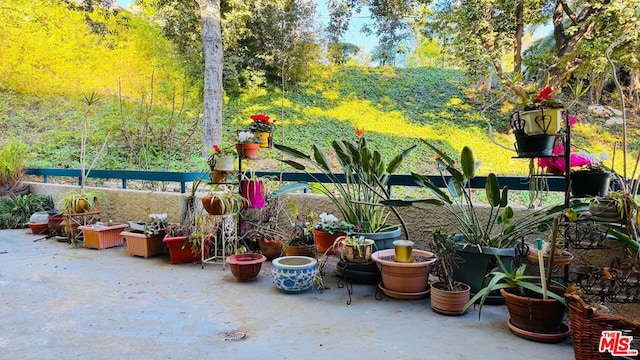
(556, 165)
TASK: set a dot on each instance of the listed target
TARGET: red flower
(260, 118)
(217, 149)
(545, 94)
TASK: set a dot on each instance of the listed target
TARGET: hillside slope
(397, 107)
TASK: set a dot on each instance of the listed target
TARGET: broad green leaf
(504, 200)
(291, 151)
(342, 153)
(320, 158)
(295, 165)
(289, 188)
(409, 202)
(492, 190)
(468, 163)
(397, 160)
(425, 182)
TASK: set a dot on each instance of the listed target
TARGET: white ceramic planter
(547, 121)
(293, 274)
(225, 163)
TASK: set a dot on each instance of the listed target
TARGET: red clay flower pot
(246, 267)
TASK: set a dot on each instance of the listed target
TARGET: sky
(352, 35)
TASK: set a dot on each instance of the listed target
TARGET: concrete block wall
(125, 204)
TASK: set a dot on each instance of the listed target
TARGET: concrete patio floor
(60, 302)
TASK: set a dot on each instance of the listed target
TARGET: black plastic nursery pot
(534, 145)
(590, 183)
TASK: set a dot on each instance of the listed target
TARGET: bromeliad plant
(499, 229)
(358, 194)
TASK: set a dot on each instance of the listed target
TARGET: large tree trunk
(517, 39)
(212, 47)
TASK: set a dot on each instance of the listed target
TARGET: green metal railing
(556, 183)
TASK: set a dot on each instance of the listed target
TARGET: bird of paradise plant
(358, 190)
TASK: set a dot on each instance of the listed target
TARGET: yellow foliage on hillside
(47, 48)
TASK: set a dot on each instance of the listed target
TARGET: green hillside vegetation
(50, 58)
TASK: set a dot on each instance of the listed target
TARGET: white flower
(244, 136)
(324, 217)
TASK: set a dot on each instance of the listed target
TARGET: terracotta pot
(248, 150)
(449, 302)
(558, 260)
(181, 251)
(218, 176)
(300, 250)
(270, 248)
(324, 240)
(55, 224)
(39, 228)
(535, 314)
(102, 236)
(404, 277)
(246, 267)
(212, 206)
(143, 244)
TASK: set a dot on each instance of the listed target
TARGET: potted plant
(404, 280)
(589, 175)
(480, 238)
(102, 235)
(248, 145)
(553, 249)
(79, 208)
(358, 194)
(223, 201)
(448, 297)
(185, 241)
(253, 189)
(327, 230)
(536, 127)
(300, 241)
(262, 127)
(356, 248)
(145, 238)
(79, 202)
(535, 312)
(221, 162)
(542, 113)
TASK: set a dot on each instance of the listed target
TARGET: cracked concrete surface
(59, 302)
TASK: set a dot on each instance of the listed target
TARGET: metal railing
(556, 183)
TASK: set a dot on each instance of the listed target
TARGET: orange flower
(359, 132)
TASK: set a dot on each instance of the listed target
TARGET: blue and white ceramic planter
(293, 274)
